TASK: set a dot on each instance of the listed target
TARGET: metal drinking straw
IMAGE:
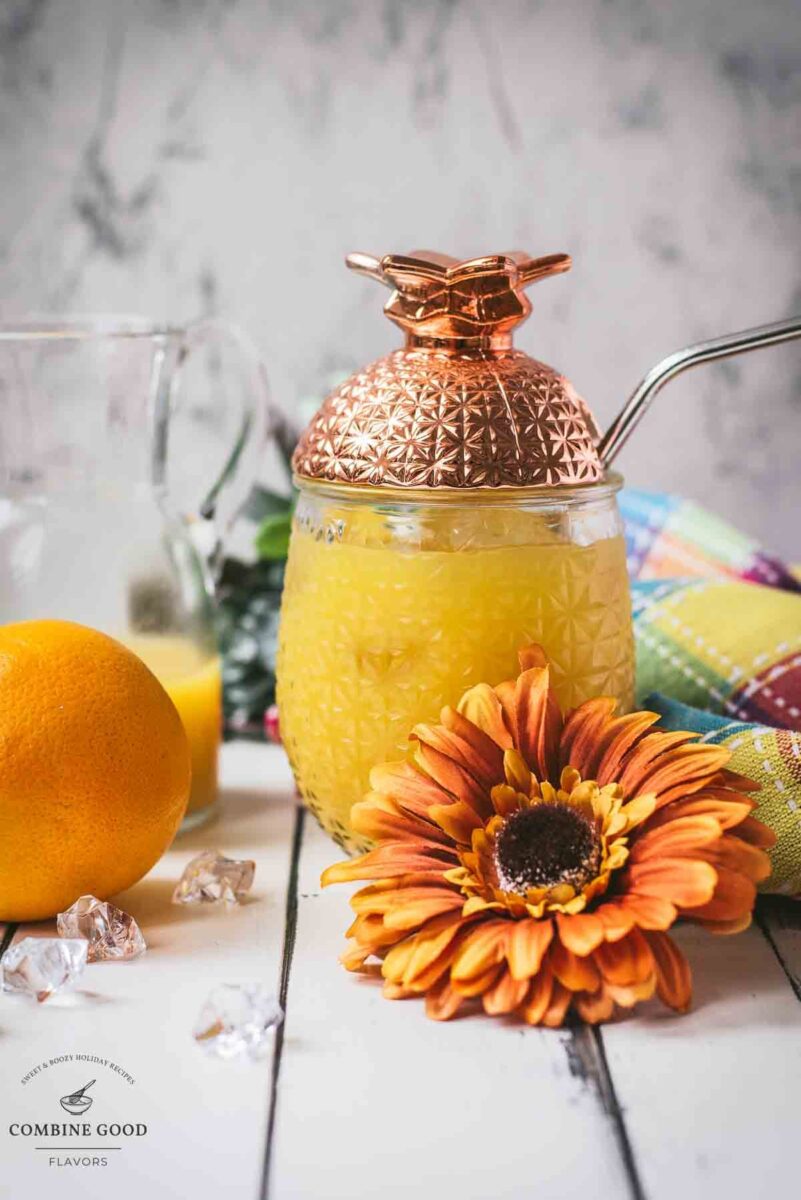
(641, 398)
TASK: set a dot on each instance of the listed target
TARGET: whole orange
(94, 767)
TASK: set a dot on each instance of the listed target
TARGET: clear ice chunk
(110, 932)
(39, 966)
(211, 878)
(238, 1019)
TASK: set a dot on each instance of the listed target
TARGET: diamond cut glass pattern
(392, 612)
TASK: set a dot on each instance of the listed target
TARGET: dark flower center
(543, 846)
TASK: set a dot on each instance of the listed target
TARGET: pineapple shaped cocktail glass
(452, 508)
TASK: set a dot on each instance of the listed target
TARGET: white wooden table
(362, 1098)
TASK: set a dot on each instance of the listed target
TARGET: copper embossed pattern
(422, 418)
(457, 407)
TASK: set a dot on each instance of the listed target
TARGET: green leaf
(272, 539)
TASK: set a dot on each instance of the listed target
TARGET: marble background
(179, 157)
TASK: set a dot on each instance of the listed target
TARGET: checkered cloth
(667, 536)
(719, 651)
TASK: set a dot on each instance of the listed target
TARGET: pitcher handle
(257, 419)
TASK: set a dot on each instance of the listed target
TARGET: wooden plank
(710, 1098)
(780, 921)
(374, 1099)
(206, 1118)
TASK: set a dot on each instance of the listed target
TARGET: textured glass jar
(394, 605)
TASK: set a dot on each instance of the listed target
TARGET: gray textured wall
(182, 157)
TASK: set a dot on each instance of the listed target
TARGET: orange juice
(192, 679)
(377, 635)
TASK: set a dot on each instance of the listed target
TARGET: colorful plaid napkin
(667, 536)
(718, 630)
(731, 648)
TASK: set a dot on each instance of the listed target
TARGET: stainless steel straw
(640, 399)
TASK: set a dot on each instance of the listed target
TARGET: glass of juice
(394, 606)
(190, 673)
(453, 508)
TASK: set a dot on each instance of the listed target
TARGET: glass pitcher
(117, 485)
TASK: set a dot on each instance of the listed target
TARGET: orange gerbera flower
(536, 862)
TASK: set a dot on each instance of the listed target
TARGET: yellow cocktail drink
(192, 679)
(385, 620)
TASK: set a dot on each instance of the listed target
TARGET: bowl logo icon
(78, 1102)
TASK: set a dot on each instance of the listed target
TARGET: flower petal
(381, 818)
(485, 946)
(626, 962)
(532, 655)
(481, 706)
(457, 819)
(413, 914)
(673, 976)
(577, 974)
(739, 856)
(686, 835)
(478, 984)
(538, 721)
(618, 739)
(649, 912)
(419, 960)
(516, 771)
(388, 859)
(442, 1002)
(581, 733)
(733, 899)
(482, 744)
(727, 807)
(505, 995)
(680, 772)
(354, 957)
(648, 750)
(554, 1014)
(410, 788)
(528, 941)
(595, 1007)
(505, 800)
(536, 1004)
(369, 930)
(627, 995)
(615, 918)
(756, 833)
(637, 810)
(388, 895)
(457, 781)
(580, 933)
(465, 751)
(394, 991)
(505, 695)
(685, 882)
(475, 904)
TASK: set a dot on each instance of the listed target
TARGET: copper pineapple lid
(458, 406)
